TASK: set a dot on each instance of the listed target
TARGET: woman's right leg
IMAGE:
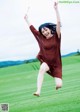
(43, 69)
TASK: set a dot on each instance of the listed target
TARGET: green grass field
(18, 83)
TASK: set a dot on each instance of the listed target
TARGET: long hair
(51, 26)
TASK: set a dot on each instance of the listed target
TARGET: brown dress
(49, 52)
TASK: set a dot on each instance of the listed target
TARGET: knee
(43, 68)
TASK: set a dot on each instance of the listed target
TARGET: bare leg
(43, 68)
(58, 82)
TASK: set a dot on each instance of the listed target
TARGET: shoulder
(34, 30)
(56, 35)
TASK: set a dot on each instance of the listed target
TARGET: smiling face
(46, 32)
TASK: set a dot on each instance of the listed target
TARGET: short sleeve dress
(49, 52)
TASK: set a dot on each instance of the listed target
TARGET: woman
(48, 38)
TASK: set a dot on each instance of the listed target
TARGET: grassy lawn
(18, 83)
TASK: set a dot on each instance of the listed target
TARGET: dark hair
(51, 26)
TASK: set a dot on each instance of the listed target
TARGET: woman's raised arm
(58, 19)
(32, 28)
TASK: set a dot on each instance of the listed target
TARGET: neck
(49, 36)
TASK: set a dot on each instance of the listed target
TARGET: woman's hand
(55, 5)
(26, 17)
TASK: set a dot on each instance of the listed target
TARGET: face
(46, 32)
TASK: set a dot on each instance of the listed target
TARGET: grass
(18, 83)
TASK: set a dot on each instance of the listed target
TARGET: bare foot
(57, 87)
(36, 94)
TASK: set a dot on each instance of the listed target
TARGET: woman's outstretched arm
(32, 28)
(58, 19)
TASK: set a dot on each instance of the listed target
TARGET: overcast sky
(16, 40)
